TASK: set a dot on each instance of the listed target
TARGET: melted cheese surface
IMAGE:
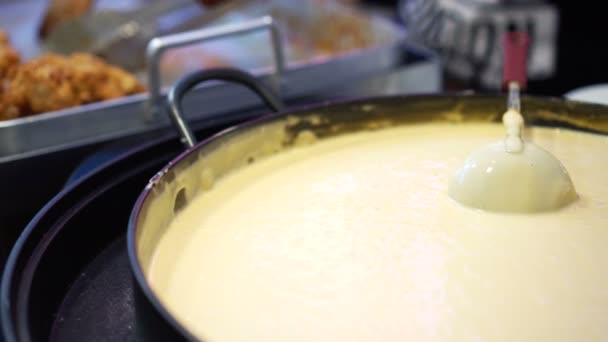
(354, 238)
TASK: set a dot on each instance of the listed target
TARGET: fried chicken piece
(45, 83)
(9, 61)
(9, 58)
(4, 40)
(52, 82)
(101, 80)
(8, 109)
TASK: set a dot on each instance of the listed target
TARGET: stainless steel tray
(103, 121)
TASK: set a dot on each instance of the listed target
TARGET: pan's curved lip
(138, 273)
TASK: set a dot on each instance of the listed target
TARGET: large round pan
(184, 177)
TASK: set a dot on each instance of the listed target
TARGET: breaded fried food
(9, 61)
(45, 83)
(102, 80)
(9, 57)
(11, 107)
(54, 82)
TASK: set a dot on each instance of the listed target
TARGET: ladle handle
(515, 57)
(186, 83)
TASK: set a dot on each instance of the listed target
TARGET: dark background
(582, 46)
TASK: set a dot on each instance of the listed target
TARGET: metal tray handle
(157, 47)
(183, 85)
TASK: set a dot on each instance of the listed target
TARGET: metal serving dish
(291, 78)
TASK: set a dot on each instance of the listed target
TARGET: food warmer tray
(42, 134)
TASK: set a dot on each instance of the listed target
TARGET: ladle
(513, 175)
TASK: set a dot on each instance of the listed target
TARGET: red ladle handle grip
(515, 49)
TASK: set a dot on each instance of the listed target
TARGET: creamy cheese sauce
(354, 238)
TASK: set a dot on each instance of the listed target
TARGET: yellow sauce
(355, 239)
